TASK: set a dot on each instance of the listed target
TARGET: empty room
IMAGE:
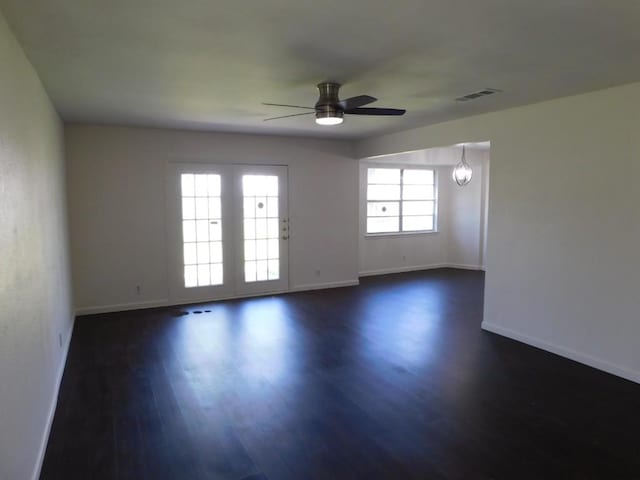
(285, 240)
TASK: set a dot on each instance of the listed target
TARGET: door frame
(264, 286)
(232, 233)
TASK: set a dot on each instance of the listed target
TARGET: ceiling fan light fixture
(329, 118)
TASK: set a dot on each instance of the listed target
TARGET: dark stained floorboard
(393, 379)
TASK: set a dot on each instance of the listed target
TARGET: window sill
(400, 234)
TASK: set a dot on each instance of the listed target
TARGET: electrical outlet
(317, 273)
(138, 289)
(404, 258)
(60, 339)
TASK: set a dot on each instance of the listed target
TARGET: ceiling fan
(329, 109)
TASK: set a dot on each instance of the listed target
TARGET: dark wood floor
(390, 380)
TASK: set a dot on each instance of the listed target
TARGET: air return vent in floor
(478, 94)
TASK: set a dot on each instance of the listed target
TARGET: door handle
(285, 237)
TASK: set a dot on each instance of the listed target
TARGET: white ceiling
(208, 64)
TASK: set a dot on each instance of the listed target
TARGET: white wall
(458, 241)
(564, 223)
(466, 214)
(35, 295)
(117, 207)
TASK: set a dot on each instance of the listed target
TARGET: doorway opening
(417, 189)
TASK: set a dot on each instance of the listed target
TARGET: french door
(228, 230)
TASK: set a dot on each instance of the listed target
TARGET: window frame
(402, 168)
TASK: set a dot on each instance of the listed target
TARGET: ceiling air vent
(478, 94)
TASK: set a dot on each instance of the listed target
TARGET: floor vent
(478, 94)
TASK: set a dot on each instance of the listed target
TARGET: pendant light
(462, 173)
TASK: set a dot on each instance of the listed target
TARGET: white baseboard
(579, 357)
(414, 268)
(463, 266)
(324, 286)
(121, 307)
(54, 404)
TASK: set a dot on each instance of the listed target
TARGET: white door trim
(232, 233)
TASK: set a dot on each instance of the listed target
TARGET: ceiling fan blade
(355, 102)
(287, 116)
(375, 111)
(290, 106)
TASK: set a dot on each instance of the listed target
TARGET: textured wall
(35, 294)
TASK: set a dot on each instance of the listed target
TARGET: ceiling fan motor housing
(327, 105)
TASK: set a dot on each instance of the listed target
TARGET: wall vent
(478, 94)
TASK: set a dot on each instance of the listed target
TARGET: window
(400, 200)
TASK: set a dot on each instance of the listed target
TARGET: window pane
(188, 208)
(190, 276)
(410, 224)
(271, 185)
(250, 250)
(250, 228)
(203, 252)
(249, 271)
(383, 192)
(417, 192)
(249, 207)
(215, 232)
(202, 208)
(272, 207)
(417, 208)
(201, 185)
(417, 177)
(256, 185)
(189, 231)
(383, 175)
(383, 209)
(274, 248)
(262, 270)
(202, 230)
(215, 252)
(214, 207)
(186, 183)
(261, 207)
(274, 269)
(383, 224)
(272, 228)
(259, 185)
(214, 185)
(204, 275)
(261, 249)
(248, 183)
(261, 228)
(216, 274)
(190, 257)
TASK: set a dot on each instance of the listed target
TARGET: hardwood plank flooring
(389, 380)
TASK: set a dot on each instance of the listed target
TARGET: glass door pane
(201, 230)
(260, 194)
